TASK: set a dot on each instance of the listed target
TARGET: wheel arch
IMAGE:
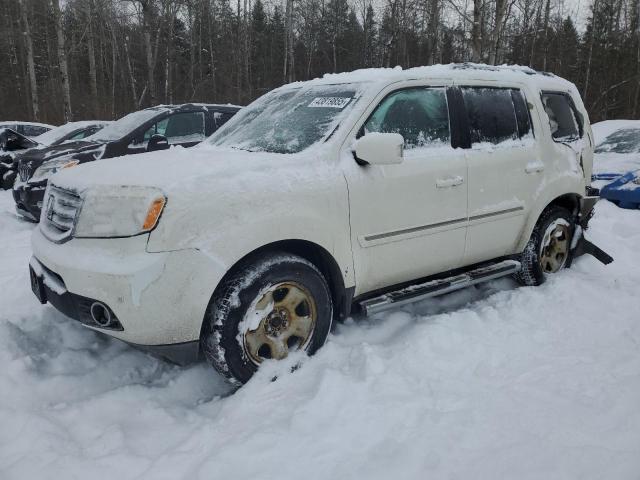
(569, 201)
(314, 253)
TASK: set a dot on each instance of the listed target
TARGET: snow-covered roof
(36, 124)
(453, 71)
(208, 106)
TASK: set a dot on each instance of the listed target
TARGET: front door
(182, 128)
(408, 220)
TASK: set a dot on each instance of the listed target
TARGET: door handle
(534, 167)
(449, 182)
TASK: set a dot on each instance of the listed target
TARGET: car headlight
(119, 211)
(47, 169)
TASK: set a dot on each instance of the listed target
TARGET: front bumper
(28, 199)
(159, 299)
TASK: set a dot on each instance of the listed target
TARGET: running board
(421, 291)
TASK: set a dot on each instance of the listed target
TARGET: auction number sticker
(330, 102)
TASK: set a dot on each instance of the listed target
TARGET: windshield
(56, 134)
(288, 121)
(626, 140)
(124, 126)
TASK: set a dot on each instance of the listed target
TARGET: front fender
(227, 227)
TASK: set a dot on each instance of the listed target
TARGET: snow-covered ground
(488, 383)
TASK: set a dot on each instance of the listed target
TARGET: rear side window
(84, 133)
(420, 115)
(221, 118)
(491, 115)
(563, 119)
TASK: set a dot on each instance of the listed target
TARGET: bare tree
(93, 81)
(33, 84)
(62, 61)
(476, 32)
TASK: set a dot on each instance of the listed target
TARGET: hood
(180, 169)
(37, 156)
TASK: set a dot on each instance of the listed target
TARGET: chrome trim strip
(378, 236)
(499, 212)
(405, 231)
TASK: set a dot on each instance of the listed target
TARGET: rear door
(504, 168)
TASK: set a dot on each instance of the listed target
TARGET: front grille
(25, 171)
(61, 207)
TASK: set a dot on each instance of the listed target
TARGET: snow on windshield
(626, 140)
(124, 126)
(58, 133)
(289, 120)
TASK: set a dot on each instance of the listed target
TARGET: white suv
(357, 191)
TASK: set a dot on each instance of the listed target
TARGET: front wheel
(266, 310)
(549, 248)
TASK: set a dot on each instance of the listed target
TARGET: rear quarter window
(564, 121)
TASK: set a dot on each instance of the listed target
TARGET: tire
(7, 180)
(269, 307)
(543, 255)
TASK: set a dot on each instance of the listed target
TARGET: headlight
(47, 169)
(119, 211)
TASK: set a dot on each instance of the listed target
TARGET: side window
(84, 133)
(221, 118)
(491, 114)
(183, 127)
(420, 115)
(563, 121)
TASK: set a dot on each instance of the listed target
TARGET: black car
(12, 143)
(155, 128)
(28, 129)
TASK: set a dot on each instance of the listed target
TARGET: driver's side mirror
(379, 148)
(157, 142)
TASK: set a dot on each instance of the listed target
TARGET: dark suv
(13, 144)
(155, 128)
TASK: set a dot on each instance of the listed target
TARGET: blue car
(624, 190)
(617, 162)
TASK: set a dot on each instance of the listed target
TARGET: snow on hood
(177, 168)
(602, 130)
(611, 161)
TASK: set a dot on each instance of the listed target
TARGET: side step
(421, 291)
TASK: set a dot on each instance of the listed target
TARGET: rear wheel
(549, 248)
(266, 310)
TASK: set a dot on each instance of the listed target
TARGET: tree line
(88, 59)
